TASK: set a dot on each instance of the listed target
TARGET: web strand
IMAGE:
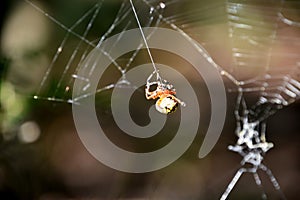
(145, 41)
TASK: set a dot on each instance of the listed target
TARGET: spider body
(165, 93)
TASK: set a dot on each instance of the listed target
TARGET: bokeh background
(42, 157)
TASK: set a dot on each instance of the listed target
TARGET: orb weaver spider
(165, 92)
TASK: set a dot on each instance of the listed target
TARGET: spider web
(262, 38)
(258, 31)
(152, 13)
(124, 20)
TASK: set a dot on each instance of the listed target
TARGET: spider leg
(151, 95)
(150, 76)
(233, 182)
(152, 83)
(237, 107)
(273, 180)
(179, 101)
(154, 95)
(263, 132)
(238, 117)
(158, 78)
(258, 183)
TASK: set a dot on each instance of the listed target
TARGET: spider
(252, 146)
(165, 92)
